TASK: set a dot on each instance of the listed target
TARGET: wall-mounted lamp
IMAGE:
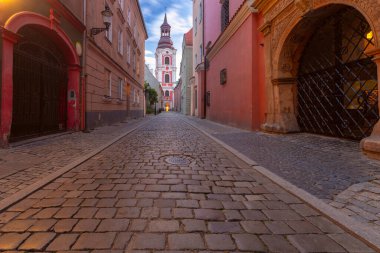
(107, 18)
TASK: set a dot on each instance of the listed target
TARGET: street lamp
(107, 19)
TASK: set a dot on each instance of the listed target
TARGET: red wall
(212, 17)
(212, 20)
(239, 101)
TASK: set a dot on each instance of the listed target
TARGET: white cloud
(151, 62)
(146, 11)
(149, 2)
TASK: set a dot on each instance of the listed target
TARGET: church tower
(166, 65)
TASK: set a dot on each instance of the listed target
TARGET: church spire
(165, 20)
(165, 40)
(165, 25)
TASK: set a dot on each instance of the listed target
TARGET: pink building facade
(232, 91)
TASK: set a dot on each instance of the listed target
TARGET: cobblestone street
(26, 164)
(331, 169)
(168, 188)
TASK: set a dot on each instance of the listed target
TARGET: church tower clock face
(166, 69)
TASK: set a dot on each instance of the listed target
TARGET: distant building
(166, 69)
(155, 84)
(197, 89)
(186, 72)
(178, 96)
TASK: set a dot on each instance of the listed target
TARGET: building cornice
(142, 20)
(243, 13)
(264, 5)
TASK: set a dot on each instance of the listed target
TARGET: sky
(179, 13)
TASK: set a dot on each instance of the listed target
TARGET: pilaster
(282, 118)
(371, 145)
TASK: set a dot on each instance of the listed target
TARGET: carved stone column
(371, 145)
(283, 118)
(266, 30)
(8, 40)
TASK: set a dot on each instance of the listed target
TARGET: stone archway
(286, 35)
(323, 60)
(10, 37)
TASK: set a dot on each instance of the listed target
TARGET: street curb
(7, 202)
(353, 227)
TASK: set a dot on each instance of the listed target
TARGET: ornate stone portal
(288, 26)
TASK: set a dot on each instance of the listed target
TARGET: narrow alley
(168, 188)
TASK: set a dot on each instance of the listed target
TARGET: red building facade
(40, 68)
(232, 91)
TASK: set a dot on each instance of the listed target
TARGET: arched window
(225, 14)
(167, 60)
(167, 78)
(167, 93)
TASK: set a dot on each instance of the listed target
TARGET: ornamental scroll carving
(369, 8)
(281, 26)
(304, 5)
(277, 9)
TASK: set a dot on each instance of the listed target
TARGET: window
(134, 60)
(195, 26)
(208, 98)
(120, 88)
(109, 31)
(129, 53)
(121, 3)
(200, 12)
(120, 41)
(109, 82)
(167, 78)
(129, 17)
(138, 66)
(167, 60)
(167, 93)
(196, 99)
(201, 51)
(138, 97)
(225, 14)
(134, 95)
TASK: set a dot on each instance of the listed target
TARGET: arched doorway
(59, 41)
(40, 78)
(337, 81)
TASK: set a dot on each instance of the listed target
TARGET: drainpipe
(204, 62)
(84, 71)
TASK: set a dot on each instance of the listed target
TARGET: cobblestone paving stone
(129, 199)
(331, 169)
(24, 165)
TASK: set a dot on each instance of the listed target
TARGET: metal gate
(337, 81)
(39, 87)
